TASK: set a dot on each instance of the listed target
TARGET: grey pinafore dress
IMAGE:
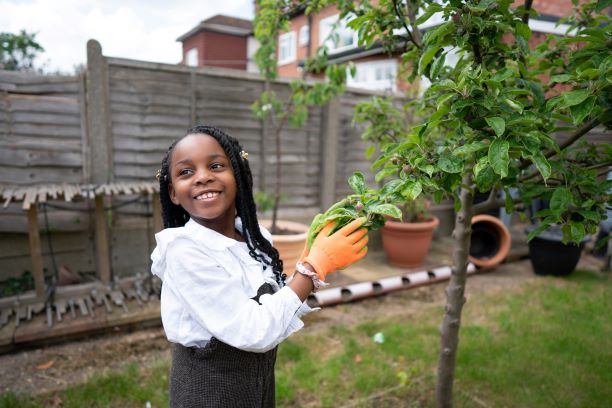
(220, 375)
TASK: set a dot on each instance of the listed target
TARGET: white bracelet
(302, 269)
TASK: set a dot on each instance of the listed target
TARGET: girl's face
(202, 182)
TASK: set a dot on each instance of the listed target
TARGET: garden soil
(55, 367)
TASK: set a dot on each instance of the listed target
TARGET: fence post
(330, 134)
(100, 145)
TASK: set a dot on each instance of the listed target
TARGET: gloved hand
(329, 253)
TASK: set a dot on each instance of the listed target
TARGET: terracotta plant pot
(289, 246)
(490, 242)
(407, 244)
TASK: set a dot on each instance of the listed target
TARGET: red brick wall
(220, 47)
(218, 50)
(196, 41)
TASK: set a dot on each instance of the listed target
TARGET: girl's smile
(202, 182)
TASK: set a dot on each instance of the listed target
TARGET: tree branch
(398, 12)
(416, 33)
(527, 10)
(581, 131)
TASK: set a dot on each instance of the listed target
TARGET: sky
(136, 29)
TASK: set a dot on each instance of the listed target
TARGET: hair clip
(158, 174)
(244, 154)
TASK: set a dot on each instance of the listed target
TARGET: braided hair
(174, 215)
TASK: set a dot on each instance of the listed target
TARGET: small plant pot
(490, 241)
(290, 245)
(550, 256)
(407, 244)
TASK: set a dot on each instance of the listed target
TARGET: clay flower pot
(490, 242)
(407, 244)
(291, 245)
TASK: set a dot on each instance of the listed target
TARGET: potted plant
(414, 231)
(551, 254)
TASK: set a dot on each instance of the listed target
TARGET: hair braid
(260, 248)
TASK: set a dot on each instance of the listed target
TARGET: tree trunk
(449, 331)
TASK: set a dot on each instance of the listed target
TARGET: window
(286, 48)
(375, 75)
(191, 58)
(335, 35)
(304, 35)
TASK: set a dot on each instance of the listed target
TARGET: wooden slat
(102, 241)
(36, 252)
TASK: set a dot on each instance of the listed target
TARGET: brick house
(220, 41)
(376, 69)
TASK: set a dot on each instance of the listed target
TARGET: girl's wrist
(304, 268)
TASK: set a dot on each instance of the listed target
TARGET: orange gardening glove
(329, 253)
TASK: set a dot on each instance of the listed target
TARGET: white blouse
(208, 282)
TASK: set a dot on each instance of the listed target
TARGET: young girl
(224, 304)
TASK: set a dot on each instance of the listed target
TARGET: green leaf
(485, 179)
(590, 215)
(357, 183)
(371, 150)
(573, 98)
(514, 105)
(535, 232)
(602, 4)
(497, 124)
(577, 231)
(443, 99)
(426, 168)
(542, 164)
(509, 203)
(387, 171)
(436, 66)
(498, 156)
(560, 78)
(560, 200)
(470, 148)
(431, 10)
(440, 31)
(503, 74)
(582, 110)
(412, 189)
(450, 163)
(427, 57)
(386, 209)
(390, 187)
(531, 141)
(523, 30)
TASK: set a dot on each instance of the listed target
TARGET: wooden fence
(114, 122)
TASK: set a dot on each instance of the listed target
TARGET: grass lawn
(547, 343)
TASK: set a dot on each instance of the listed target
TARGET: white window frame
(330, 24)
(287, 39)
(304, 35)
(365, 75)
(191, 57)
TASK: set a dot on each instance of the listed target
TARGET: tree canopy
(18, 51)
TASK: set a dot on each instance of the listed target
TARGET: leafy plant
(17, 285)
(264, 201)
(18, 51)
(374, 205)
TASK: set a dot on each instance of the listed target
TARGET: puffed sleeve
(216, 300)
